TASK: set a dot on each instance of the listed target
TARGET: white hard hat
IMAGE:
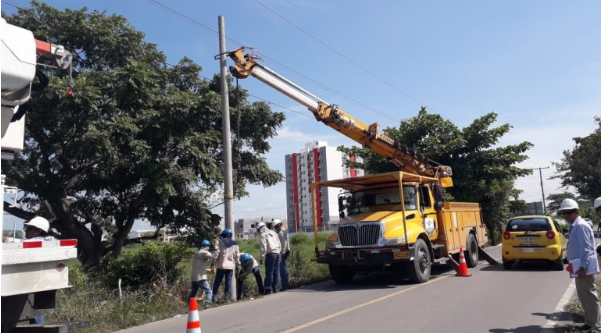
(568, 204)
(39, 222)
(276, 222)
(260, 225)
(597, 203)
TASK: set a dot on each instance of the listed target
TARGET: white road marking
(559, 309)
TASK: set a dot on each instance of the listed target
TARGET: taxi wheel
(558, 264)
(507, 264)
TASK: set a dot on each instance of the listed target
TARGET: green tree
(482, 171)
(139, 139)
(515, 203)
(554, 200)
(581, 166)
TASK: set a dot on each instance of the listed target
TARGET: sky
(537, 64)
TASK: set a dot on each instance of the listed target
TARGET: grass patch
(95, 298)
(577, 313)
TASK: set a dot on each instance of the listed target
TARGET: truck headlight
(332, 244)
(395, 241)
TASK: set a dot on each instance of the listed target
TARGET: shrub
(300, 239)
(152, 264)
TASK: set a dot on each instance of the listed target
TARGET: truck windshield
(382, 200)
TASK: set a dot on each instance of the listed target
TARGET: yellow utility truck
(397, 220)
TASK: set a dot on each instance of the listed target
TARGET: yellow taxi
(534, 238)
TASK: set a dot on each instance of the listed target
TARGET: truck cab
(398, 221)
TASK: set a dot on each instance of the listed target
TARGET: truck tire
(341, 274)
(419, 269)
(471, 253)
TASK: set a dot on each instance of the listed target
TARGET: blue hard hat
(245, 259)
(226, 233)
(205, 243)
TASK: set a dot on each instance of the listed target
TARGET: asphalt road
(491, 300)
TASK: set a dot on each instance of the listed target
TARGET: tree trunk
(90, 248)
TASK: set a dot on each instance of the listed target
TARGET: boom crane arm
(369, 136)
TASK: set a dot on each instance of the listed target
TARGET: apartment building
(316, 162)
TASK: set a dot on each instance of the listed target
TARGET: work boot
(584, 328)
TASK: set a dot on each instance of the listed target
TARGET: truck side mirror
(438, 193)
(438, 196)
(342, 205)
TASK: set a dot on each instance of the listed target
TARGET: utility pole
(542, 189)
(228, 195)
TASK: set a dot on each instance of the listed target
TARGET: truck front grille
(361, 234)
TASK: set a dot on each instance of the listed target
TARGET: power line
(341, 54)
(213, 31)
(10, 4)
(191, 20)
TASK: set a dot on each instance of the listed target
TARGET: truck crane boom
(19, 69)
(369, 136)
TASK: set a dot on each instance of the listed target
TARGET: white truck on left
(32, 270)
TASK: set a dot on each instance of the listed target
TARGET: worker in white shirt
(285, 252)
(270, 254)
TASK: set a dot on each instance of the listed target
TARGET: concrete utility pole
(228, 195)
(542, 189)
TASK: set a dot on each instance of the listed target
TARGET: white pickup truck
(33, 270)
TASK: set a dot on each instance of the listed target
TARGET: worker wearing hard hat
(271, 255)
(226, 262)
(285, 252)
(582, 257)
(597, 208)
(200, 262)
(248, 264)
(36, 228)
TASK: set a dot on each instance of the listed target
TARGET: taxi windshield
(528, 224)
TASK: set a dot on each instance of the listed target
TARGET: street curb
(560, 316)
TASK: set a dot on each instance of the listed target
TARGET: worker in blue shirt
(581, 253)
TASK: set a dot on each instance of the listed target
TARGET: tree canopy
(483, 172)
(581, 166)
(138, 140)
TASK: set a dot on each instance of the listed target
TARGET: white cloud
(288, 133)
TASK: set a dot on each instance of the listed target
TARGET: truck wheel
(507, 264)
(341, 274)
(471, 255)
(419, 269)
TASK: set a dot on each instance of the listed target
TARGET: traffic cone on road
(462, 271)
(193, 320)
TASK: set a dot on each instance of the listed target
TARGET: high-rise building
(317, 162)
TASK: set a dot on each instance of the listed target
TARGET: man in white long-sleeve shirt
(270, 254)
(285, 246)
(581, 246)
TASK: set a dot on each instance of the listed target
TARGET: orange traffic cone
(462, 271)
(193, 320)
